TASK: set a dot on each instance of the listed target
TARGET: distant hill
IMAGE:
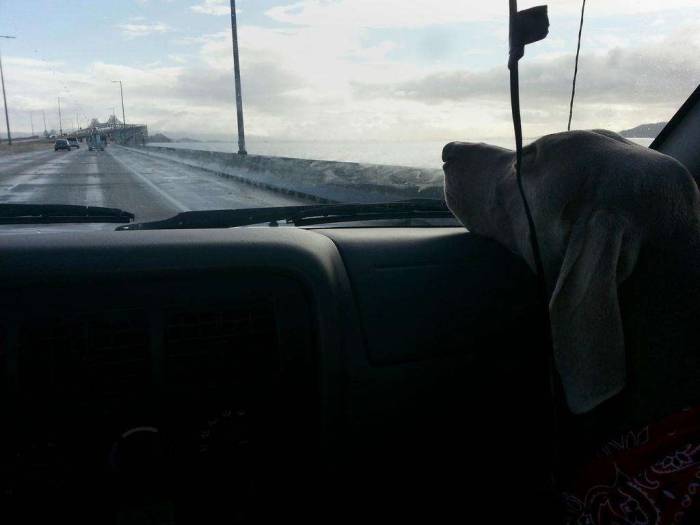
(649, 131)
(187, 140)
(158, 137)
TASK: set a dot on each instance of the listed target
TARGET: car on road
(96, 142)
(61, 144)
(73, 142)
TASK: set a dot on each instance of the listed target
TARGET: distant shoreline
(647, 131)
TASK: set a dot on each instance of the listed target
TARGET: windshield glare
(340, 101)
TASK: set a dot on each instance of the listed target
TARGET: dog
(619, 233)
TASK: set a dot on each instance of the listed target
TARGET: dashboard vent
(106, 357)
(101, 355)
(210, 348)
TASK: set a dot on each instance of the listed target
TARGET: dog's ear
(587, 335)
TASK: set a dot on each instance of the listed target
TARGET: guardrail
(319, 180)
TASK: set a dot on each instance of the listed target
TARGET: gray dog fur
(605, 210)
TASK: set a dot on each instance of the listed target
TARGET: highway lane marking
(51, 167)
(94, 192)
(172, 200)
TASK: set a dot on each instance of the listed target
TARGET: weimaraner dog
(619, 229)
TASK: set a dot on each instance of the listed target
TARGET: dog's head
(479, 181)
(481, 188)
(474, 176)
(572, 182)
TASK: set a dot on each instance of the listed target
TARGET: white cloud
(180, 59)
(388, 13)
(422, 13)
(213, 7)
(31, 62)
(618, 88)
(141, 30)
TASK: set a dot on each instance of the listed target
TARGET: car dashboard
(254, 374)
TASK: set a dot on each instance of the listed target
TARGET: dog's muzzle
(449, 152)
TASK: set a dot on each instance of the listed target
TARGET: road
(151, 188)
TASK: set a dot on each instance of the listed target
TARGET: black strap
(523, 28)
(578, 51)
(526, 27)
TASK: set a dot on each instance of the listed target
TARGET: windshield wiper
(60, 213)
(300, 215)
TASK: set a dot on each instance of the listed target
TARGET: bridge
(126, 134)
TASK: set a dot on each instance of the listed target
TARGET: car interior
(252, 374)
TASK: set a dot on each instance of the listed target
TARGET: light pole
(237, 78)
(43, 114)
(121, 90)
(31, 121)
(4, 99)
(60, 122)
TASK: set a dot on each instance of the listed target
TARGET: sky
(350, 70)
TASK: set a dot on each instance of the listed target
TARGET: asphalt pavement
(151, 188)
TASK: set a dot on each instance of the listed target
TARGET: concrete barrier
(319, 180)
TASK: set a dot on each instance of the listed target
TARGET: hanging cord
(526, 27)
(578, 51)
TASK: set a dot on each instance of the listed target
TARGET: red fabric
(649, 477)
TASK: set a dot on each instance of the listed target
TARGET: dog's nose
(448, 152)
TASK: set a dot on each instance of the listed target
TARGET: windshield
(340, 101)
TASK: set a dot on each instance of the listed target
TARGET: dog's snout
(448, 152)
(455, 151)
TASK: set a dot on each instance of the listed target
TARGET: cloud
(31, 62)
(423, 13)
(140, 30)
(626, 83)
(179, 58)
(388, 13)
(268, 88)
(213, 7)
(198, 97)
(324, 70)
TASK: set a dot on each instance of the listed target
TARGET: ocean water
(411, 154)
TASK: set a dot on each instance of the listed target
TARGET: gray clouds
(267, 87)
(662, 74)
